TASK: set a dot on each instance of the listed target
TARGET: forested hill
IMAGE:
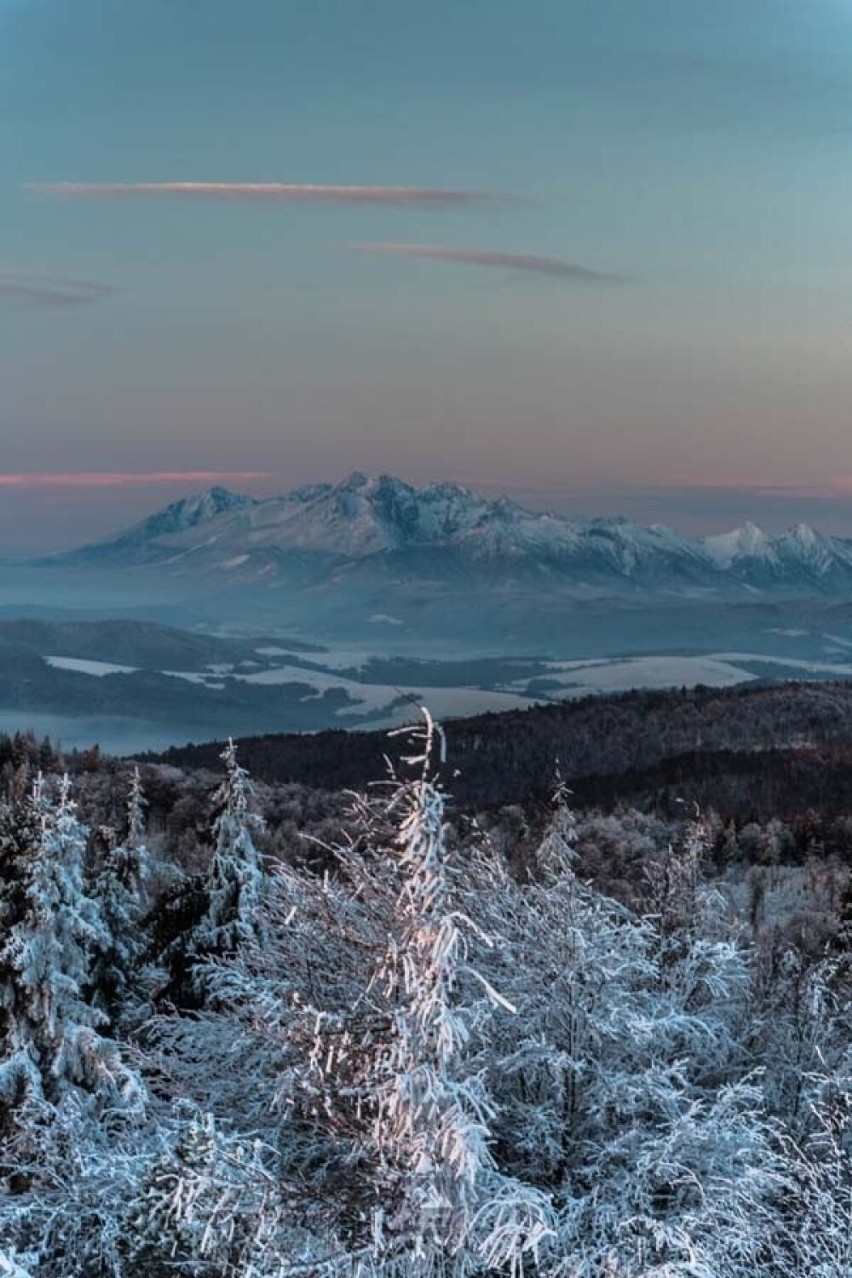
(786, 743)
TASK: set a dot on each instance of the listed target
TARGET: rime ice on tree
(50, 1028)
(235, 879)
(445, 1202)
(121, 893)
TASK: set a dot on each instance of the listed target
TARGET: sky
(593, 253)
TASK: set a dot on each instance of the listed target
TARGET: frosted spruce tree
(49, 1029)
(68, 1101)
(235, 880)
(442, 1202)
(624, 1089)
(121, 890)
(557, 851)
(210, 917)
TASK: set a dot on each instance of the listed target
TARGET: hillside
(642, 741)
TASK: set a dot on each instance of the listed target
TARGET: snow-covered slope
(799, 557)
(180, 517)
(384, 529)
(742, 545)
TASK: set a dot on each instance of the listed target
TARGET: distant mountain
(799, 558)
(141, 542)
(384, 531)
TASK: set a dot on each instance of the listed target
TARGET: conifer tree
(443, 1202)
(557, 851)
(213, 915)
(235, 880)
(121, 893)
(49, 1028)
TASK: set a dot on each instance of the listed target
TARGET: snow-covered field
(372, 697)
(579, 678)
(487, 686)
(96, 668)
(798, 668)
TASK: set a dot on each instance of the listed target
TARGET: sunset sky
(596, 253)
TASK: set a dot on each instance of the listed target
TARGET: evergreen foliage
(438, 1056)
(52, 928)
(121, 890)
(214, 914)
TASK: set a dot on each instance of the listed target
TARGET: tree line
(508, 757)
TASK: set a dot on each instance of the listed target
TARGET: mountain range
(383, 530)
(342, 605)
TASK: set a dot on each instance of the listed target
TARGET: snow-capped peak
(804, 535)
(178, 517)
(747, 542)
(808, 548)
(191, 511)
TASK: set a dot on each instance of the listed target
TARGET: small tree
(120, 890)
(557, 852)
(49, 1029)
(235, 881)
(212, 916)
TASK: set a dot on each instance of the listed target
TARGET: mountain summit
(178, 517)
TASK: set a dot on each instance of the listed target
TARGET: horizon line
(125, 479)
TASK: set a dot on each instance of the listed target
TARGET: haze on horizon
(595, 255)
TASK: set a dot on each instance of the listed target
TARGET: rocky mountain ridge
(386, 527)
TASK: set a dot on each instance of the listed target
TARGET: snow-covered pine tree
(235, 881)
(557, 851)
(49, 1029)
(442, 1204)
(674, 880)
(625, 1089)
(120, 890)
(211, 916)
(211, 1204)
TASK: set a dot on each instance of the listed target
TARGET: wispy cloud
(128, 479)
(533, 262)
(42, 292)
(278, 192)
(835, 486)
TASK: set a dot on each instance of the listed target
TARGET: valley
(133, 686)
(349, 605)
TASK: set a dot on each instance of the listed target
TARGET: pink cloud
(128, 479)
(534, 262)
(282, 192)
(836, 486)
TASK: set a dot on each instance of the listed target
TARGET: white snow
(746, 542)
(584, 677)
(82, 666)
(447, 703)
(376, 696)
(792, 663)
